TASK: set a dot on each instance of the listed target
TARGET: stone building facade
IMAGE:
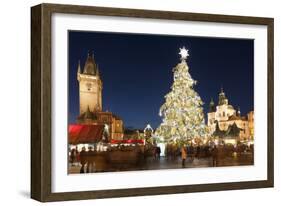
(224, 116)
(90, 100)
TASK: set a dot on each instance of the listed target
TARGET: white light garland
(182, 112)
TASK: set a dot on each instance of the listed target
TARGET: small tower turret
(222, 98)
(79, 68)
(238, 112)
(98, 71)
(212, 107)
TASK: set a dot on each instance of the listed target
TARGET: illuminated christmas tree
(182, 113)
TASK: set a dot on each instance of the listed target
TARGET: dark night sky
(136, 71)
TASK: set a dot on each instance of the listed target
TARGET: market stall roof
(127, 141)
(81, 134)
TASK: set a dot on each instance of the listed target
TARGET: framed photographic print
(132, 102)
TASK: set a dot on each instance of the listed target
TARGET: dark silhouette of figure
(158, 152)
(72, 156)
(174, 152)
(90, 160)
(183, 155)
(191, 152)
(83, 159)
(198, 152)
(215, 156)
(154, 153)
(206, 150)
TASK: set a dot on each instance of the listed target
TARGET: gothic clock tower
(90, 86)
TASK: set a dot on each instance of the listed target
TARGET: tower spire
(238, 112)
(222, 97)
(90, 53)
(79, 68)
(212, 106)
(88, 113)
(222, 89)
(90, 67)
(98, 71)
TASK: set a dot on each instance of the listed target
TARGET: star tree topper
(184, 53)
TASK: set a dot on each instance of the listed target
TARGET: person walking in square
(198, 151)
(191, 151)
(215, 156)
(183, 155)
(90, 160)
(83, 159)
(158, 150)
(73, 156)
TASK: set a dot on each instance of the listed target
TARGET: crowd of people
(173, 151)
(87, 159)
(198, 152)
(216, 152)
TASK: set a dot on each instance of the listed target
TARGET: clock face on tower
(89, 86)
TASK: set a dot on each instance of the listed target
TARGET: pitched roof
(218, 131)
(234, 117)
(88, 115)
(232, 131)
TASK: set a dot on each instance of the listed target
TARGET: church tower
(90, 86)
(212, 112)
(222, 98)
